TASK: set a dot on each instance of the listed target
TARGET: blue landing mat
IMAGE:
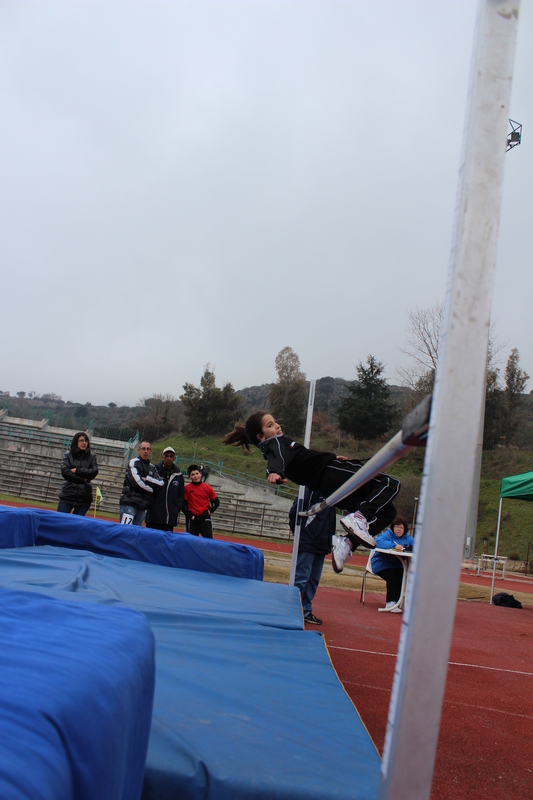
(22, 527)
(76, 692)
(247, 705)
(94, 578)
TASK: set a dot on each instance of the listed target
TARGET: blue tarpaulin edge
(24, 527)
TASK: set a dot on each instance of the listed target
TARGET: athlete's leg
(371, 499)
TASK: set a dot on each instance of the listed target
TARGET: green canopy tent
(516, 487)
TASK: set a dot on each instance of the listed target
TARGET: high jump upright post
(301, 489)
(427, 625)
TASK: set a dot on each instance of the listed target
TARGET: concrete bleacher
(239, 514)
(30, 461)
(40, 438)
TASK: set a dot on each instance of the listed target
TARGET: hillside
(328, 394)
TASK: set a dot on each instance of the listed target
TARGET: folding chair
(368, 571)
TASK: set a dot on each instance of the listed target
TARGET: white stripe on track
(447, 702)
(486, 708)
(450, 663)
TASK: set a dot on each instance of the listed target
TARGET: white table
(405, 558)
(491, 559)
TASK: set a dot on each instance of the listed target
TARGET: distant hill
(328, 394)
(72, 415)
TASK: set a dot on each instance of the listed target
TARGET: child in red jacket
(200, 502)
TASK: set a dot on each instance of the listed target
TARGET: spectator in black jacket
(139, 482)
(316, 534)
(167, 502)
(78, 467)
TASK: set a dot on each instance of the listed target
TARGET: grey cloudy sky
(194, 182)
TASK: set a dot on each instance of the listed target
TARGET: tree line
(365, 411)
(362, 408)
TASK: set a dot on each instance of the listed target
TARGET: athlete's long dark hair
(246, 433)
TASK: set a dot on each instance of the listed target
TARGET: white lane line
(355, 650)
(451, 663)
(494, 669)
(447, 702)
(486, 708)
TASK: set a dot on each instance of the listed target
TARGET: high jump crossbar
(413, 434)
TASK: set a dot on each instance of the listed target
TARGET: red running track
(485, 743)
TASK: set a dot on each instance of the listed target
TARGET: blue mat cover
(76, 693)
(247, 704)
(129, 541)
(18, 527)
(91, 577)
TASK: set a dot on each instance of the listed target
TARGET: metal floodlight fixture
(514, 137)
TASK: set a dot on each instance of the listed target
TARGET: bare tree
(422, 346)
(160, 415)
(287, 396)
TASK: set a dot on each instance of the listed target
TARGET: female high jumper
(369, 509)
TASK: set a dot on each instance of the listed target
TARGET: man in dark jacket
(315, 542)
(139, 481)
(167, 502)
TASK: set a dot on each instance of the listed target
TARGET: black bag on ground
(504, 599)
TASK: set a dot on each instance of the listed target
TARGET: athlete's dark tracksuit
(323, 471)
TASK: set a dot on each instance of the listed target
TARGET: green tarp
(518, 486)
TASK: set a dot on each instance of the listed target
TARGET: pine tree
(208, 409)
(515, 383)
(492, 426)
(367, 412)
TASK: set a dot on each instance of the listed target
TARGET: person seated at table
(388, 566)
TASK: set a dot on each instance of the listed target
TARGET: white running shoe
(341, 552)
(357, 525)
(392, 607)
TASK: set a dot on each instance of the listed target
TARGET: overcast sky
(185, 183)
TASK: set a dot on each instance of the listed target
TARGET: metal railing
(258, 522)
(243, 478)
(124, 434)
(39, 437)
(27, 473)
